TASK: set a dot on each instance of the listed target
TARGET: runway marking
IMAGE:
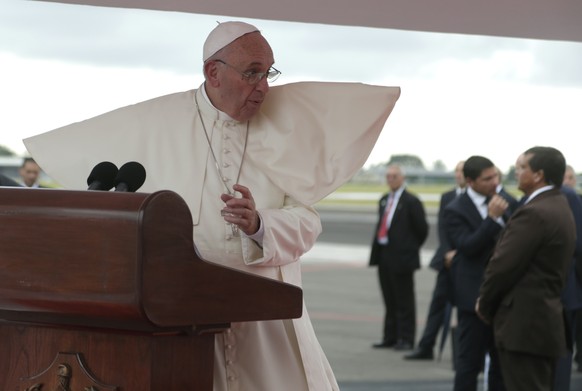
(338, 253)
(317, 267)
(347, 317)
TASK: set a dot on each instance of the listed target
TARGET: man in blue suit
(571, 295)
(570, 181)
(473, 222)
(441, 262)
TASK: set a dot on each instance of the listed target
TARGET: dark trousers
(399, 300)
(578, 339)
(475, 340)
(563, 373)
(526, 372)
(441, 296)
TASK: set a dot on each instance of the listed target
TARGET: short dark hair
(26, 160)
(475, 165)
(551, 161)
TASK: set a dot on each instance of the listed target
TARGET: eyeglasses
(253, 77)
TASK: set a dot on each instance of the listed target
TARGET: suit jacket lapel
(469, 206)
(398, 205)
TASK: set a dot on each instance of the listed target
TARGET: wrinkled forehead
(250, 48)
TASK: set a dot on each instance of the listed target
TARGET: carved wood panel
(67, 372)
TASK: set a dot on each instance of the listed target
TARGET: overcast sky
(461, 95)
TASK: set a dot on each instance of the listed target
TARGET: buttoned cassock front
(307, 140)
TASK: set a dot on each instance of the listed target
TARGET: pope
(250, 160)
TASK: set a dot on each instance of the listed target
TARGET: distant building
(414, 175)
(421, 176)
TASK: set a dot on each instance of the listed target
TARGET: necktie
(383, 229)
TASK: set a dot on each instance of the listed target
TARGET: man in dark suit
(527, 273)
(6, 181)
(473, 222)
(29, 172)
(571, 295)
(443, 290)
(570, 181)
(401, 230)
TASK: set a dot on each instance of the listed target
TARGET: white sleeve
(289, 232)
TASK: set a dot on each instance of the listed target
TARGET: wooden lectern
(104, 291)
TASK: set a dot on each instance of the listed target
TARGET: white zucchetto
(224, 34)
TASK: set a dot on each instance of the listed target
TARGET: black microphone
(102, 176)
(130, 177)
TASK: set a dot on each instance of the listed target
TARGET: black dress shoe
(403, 345)
(420, 354)
(384, 345)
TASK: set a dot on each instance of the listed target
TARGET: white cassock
(307, 140)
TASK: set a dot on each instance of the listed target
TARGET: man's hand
(497, 206)
(241, 211)
(449, 255)
(478, 313)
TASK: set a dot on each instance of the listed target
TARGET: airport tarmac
(344, 303)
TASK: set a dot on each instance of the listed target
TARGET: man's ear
(211, 73)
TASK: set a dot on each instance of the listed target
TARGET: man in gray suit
(527, 273)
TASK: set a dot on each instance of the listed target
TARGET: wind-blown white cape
(309, 138)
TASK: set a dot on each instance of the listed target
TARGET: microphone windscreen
(104, 173)
(133, 174)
